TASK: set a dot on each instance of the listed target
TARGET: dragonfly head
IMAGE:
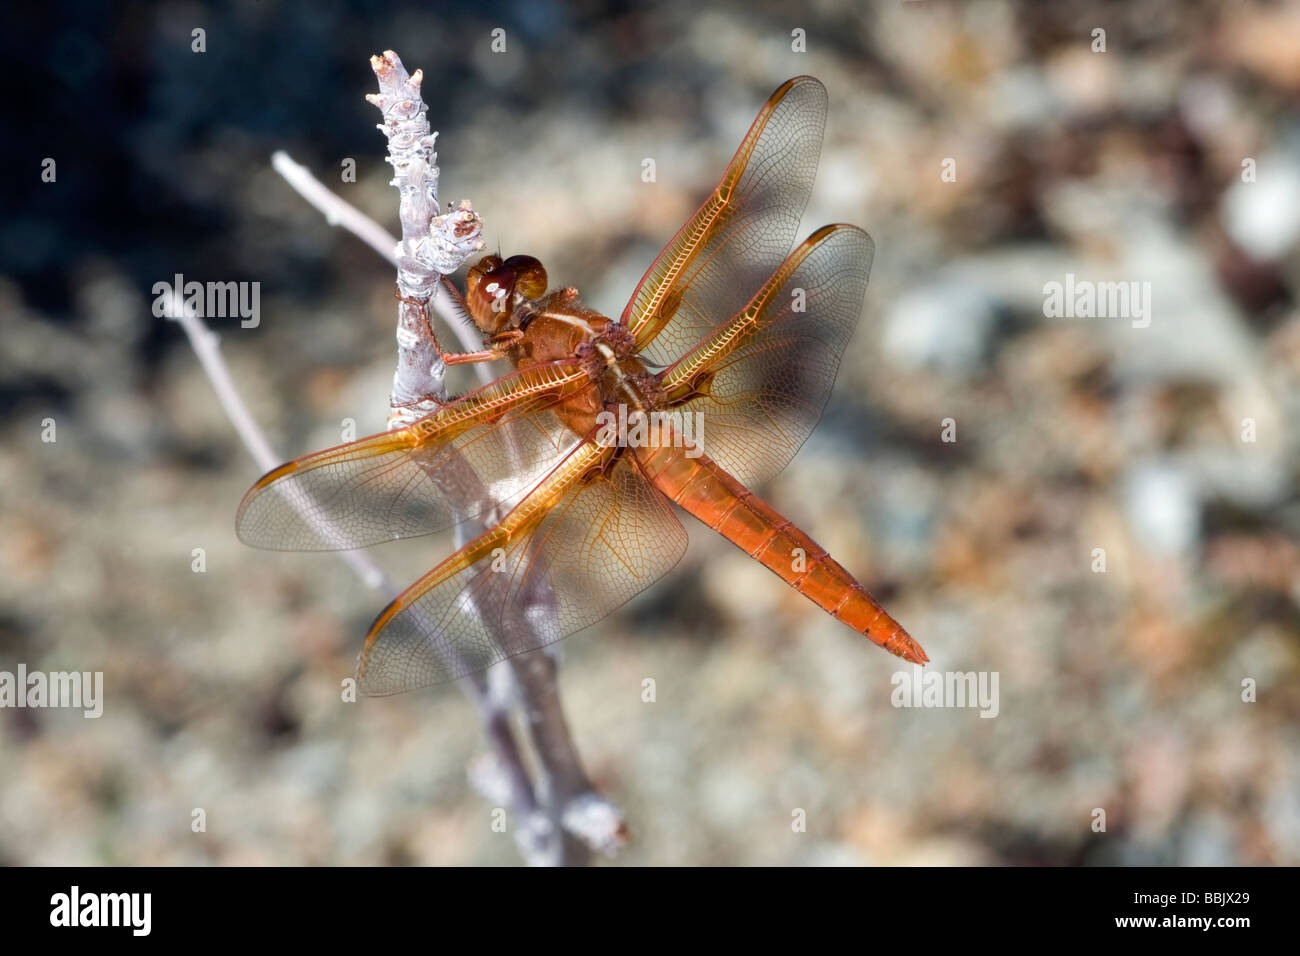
(496, 287)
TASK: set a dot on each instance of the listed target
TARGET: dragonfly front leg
(426, 400)
(459, 358)
(500, 344)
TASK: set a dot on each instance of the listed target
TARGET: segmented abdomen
(706, 490)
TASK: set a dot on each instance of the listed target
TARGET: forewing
(740, 234)
(480, 452)
(768, 371)
(598, 541)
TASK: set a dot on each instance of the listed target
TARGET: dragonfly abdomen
(710, 493)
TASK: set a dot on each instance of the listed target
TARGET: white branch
(431, 246)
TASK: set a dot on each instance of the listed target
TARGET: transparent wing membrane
(740, 234)
(769, 370)
(598, 540)
(480, 452)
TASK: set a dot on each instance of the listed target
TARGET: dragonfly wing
(768, 371)
(481, 451)
(588, 538)
(722, 255)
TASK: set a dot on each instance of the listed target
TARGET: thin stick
(563, 806)
(336, 211)
(433, 245)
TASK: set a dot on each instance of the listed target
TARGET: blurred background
(1120, 690)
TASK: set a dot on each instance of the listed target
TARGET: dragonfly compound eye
(490, 286)
(530, 276)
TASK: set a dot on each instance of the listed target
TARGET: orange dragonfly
(709, 382)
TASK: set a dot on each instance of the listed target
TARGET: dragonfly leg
(426, 400)
(464, 358)
(498, 345)
(456, 298)
(448, 358)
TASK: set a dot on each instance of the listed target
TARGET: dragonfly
(706, 385)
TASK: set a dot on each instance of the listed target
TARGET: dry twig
(560, 817)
